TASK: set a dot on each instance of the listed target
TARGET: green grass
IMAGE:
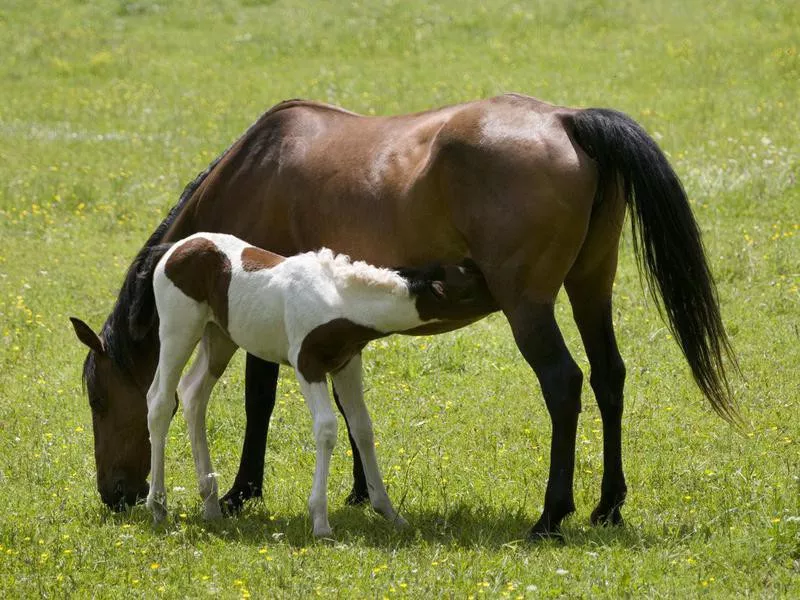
(108, 108)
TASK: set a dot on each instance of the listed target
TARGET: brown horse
(535, 194)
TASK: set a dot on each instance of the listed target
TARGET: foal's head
(119, 419)
(449, 292)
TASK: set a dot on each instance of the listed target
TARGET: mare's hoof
(603, 515)
(549, 528)
(233, 502)
(539, 533)
(357, 497)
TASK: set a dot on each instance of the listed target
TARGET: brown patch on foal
(256, 259)
(330, 346)
(202, 271)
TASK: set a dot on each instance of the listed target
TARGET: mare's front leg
(319, 403)
(261, 382)
(195, 390)
(348, 382)
(359, 494)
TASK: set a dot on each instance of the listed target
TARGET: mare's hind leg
(589, 284)
(349, 383)
(593, 317)
(539, 339)
(195, 390)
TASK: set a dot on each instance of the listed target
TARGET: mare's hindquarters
(524, 206)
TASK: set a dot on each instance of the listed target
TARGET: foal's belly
(256, 324)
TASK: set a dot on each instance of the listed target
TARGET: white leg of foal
(157, 425)
(195, 390)
(175, 352)
(348, 385)
(319, 403)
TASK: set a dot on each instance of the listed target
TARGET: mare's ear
(87, 335)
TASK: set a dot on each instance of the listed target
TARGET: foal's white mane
(351, 273)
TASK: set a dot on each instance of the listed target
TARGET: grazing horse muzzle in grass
(314, 311)
(535, 194)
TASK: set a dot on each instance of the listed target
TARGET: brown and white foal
(315, 311)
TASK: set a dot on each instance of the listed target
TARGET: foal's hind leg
(195, 389)
(319, 403)
(349, 383)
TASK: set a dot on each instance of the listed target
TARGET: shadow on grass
(462, 526)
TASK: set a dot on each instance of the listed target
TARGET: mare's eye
(96, 404)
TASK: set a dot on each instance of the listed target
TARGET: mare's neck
(145, 360)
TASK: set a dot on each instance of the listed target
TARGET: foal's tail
(142, 313)
(667, 243)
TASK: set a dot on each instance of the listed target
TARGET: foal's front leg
(195, 390)
(319, 403)
(174, 353)
(348, 383)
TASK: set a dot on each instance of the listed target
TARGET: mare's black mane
(122, 338)
(119, 341)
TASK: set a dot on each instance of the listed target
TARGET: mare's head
(118, 400)
(449, 292)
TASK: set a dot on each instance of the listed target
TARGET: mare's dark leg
(539, 339)
(359, 494)
(261, 382)
(593, 317)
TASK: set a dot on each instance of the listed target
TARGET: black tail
(142, 312)
(667, 242)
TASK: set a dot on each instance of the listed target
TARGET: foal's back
(218, 278)
(268, 304)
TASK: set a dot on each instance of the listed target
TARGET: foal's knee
(325, 429)
(159, 413)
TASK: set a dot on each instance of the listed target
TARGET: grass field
(108, 108)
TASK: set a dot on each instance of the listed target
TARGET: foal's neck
(385, 305)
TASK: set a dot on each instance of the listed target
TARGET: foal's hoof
(212, 511)
(323, 531)
(400, 523)
(158, 508)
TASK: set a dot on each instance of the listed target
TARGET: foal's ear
(87, 335)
